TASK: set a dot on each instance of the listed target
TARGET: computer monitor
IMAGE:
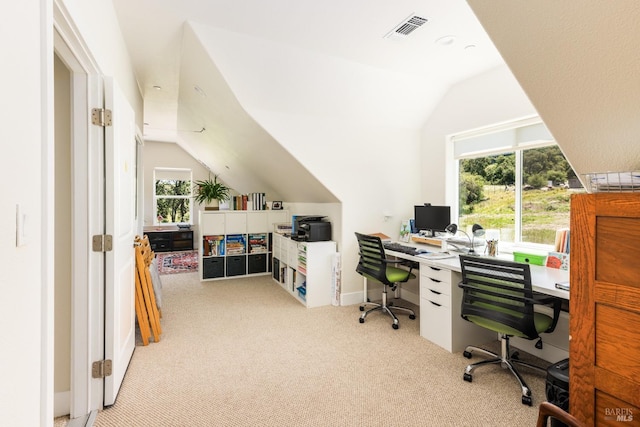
(429, 218)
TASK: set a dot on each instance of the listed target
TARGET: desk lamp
(476, 230)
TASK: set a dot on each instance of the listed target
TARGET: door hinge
(101, 117)
(101, 368)
(102, 243)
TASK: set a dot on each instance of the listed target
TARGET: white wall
(489, 98)
(359, 153)
(25, 306)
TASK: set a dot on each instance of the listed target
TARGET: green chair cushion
(542, 323)
(394, 275)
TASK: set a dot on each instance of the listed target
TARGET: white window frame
(477, 143)
(164, 173)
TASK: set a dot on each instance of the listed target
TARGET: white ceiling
(341, 41)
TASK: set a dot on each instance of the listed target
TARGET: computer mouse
(422, 251)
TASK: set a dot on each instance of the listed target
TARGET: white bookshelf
(304, 269)
(236, 243)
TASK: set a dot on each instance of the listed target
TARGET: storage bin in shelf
(302, 291)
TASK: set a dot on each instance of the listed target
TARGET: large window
(172, 195)
(514, 180)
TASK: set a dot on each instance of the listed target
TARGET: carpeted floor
(177, 262)
(243, 352)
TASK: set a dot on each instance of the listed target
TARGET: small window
(172, 196)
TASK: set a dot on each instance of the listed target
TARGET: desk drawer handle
(435, 292)
(436, 304)
(435, 280)
(436, 269)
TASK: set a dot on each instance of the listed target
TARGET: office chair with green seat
(497, 295)
(374, 265)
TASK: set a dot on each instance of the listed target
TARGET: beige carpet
(242, 352)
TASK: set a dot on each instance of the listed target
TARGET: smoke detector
(406, 27)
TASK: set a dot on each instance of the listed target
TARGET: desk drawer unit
(440, 320)
(435, 305)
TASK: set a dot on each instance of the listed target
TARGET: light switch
(21, 227)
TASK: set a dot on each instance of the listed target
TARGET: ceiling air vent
(406, 27)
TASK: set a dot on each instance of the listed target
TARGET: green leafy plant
(209, 190)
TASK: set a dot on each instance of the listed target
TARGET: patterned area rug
(177, 262)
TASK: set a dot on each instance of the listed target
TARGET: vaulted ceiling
(207, 68)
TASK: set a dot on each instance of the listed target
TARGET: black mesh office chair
(374, 265)
(497, 295)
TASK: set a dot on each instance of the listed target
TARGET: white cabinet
(440, 320)
(235, 243)
(304, 269)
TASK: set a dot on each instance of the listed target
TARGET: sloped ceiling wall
(579, 63)
(232, 143)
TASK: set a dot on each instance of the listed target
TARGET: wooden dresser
(604, 382)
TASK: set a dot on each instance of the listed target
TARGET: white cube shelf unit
(304, 269)
(236, 243)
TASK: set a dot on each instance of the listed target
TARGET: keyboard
(397, 247)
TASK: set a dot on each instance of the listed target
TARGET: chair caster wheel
(395, 326)
(361, 308)
(361, 320)
(526, 400)
(466, 354)
(412, 316)
(515, 355)
(468, 378)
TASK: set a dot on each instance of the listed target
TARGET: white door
(120, 169)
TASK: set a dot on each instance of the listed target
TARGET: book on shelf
(250, 201)
(562, 240)
(236, 244)
(213, 245)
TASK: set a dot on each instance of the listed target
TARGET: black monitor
(429, 218)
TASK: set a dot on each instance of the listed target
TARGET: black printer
(311, 228)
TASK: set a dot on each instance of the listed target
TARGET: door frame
(87, 297)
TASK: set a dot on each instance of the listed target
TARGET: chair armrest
(547, 410)
(553, 302)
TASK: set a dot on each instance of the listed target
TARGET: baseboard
(412, 297)
(351, 298)
(374, 292)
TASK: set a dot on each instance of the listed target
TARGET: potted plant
(211, 192)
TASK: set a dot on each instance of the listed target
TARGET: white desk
(440, 296)
(543, 279)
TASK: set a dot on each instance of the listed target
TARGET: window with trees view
(172, 195)
(514, 179)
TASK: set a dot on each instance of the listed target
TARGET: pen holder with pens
(491, 248)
